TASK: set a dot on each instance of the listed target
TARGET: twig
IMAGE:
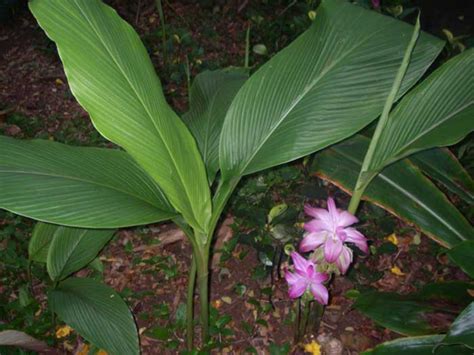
(137, 16)
(242, 6)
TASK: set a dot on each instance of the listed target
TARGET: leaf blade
(97, 313)
(438, 112)
(308, 96)
(400, 189)
(462, 329)
(441, 165)
(463, 256)
(78, 187)
(40, 241)
(210, 97)
(72, 249)
(117, 85)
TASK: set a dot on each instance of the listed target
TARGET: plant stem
(222, 195)
(297, 322)
(179, 221)
(159, 6)
(304, 319)
(368, 171)
(247, 48)
(190, 305)
(202, 263)
(188, 77)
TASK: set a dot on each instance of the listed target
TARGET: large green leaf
(438, 112)
(421, 345)
(329, 83)
(40, 241)
(211, 95)
(441, 165)
(455, 292)
(463, 255)
(97, 313)
(462, 329)
(73, 248)
(112, 77)
(80, 187)
(400, 189)
(400, 314)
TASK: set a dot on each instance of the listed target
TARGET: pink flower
(306, 277)
(376, 4)
(330, 230)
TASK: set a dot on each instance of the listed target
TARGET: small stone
(333, 347)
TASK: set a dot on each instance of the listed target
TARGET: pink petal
(297, 289)
(310, 271)
(312, 240)
(318, 213)
(332, 209)
(332, 249)
(318, 225)
(291, 278)
(320, 293)
(344, 260)
(319, 277)
(341, 234)
(346, 219)
(356, 237)
(301, 264)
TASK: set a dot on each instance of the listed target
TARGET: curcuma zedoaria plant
(328, 84)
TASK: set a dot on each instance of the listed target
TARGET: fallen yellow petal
(396, 271)
(226, 299)
(392, 238)
(313, 348)
(217, 304)
(63, 332)
(84, 350)
(102, 352)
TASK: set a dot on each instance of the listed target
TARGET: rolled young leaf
(400, 189)
(79, 187)
(325, 86)
(72, 249)
(441, 165)
(211, 95)
(112, 77)
(365, 176)
(438, 112)
(97, 313)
